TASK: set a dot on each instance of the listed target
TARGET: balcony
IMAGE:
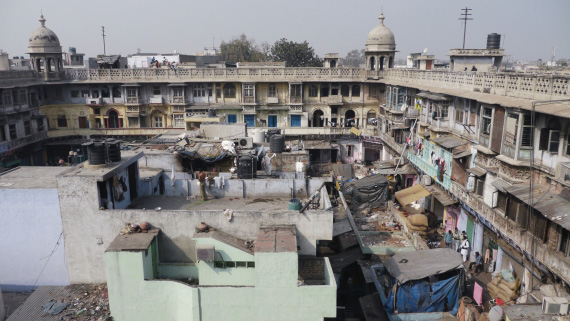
(295, 109)
(249, 109)
(133, 111)
(20, 142)
(178, 100)
(133, 101)
(272, 100)
(94, 101)
(248, 100)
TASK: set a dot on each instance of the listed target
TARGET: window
(97, 111)
(229, 91)
(550, 137)
(538, 226)
(313, 91)
(272, 91)
(564, 242)
(296, 93)
(23, 97)
(511, 129)
(132, 95)
(248, 93)
(94, 94)
(12, 131)
(527, 132)
(105, 92)
(178, 120)
(85, 93)
(177, 92)
(232, 118)
(249, 120)
(459, 112)
(116, 92)
(568, 144)
(295, 120)
(27, 128)
(486, 115)
(444, 110)
(15, 97)
(2, 133)
(517, 211)
(61, 121)
(479, 186)
(157, 121)
(344, 91)
(553, 141)
(199, 91)
(324, 91)
(74, 93)
(7, 98)
(156, 90)
(133, 121)
(83, 122)
(502, 201)
(372, 91)
(350, 151)
(233, 264)
(58, 93)
(356, 91)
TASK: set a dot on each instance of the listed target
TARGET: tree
(354, 58)
(295, 54)
(242, 49)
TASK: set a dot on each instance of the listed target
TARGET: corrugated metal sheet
(546, 201)
(441, 195)
(462, 154)
(449, 141)
(501, 185)
(477, 171)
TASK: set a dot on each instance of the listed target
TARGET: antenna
(465, 18)
(104, 51)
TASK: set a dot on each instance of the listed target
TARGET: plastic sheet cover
(368, 192)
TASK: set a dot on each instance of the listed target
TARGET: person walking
(202, 182)
(448, 239)
(478, 263)
(465, 248)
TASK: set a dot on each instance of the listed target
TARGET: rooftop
(133, 242)
(282, 238)
(225, 238)
(103, 173)
(32, 177)
(181, 203)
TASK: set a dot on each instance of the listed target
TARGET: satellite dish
(425, 51)
(496, 313)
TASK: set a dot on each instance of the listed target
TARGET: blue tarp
(416, 296)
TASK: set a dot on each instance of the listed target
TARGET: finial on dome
(381, 18)
(42, 20)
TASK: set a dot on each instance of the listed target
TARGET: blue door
(232, 118)
(272, 121)
(295, 120)
(249, 120)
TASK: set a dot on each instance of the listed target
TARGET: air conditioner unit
(244, 142)
(205, 252)
(555, 305)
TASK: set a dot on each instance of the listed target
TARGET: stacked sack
(500, 288)
(418, 223)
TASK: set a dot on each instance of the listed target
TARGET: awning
(411, 194)
(462, 154)
(501, 185)
(477, 171)
(544, 200)
(449, 141)
(434, 96)
(441, 195)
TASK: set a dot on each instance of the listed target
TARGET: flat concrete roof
(145, 172)
(133, 242)
(281, 238)
(225, 238)
(212, 204)
(32, 177)
(103, 173)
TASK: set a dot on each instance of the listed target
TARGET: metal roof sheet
(477, 171)
(462, 154)
(449, 141)
(501, 185)
(546, 201)
(417, 265)
(442, 196)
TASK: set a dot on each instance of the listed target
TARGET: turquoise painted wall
(210, 275)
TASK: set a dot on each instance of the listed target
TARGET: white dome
(43, 40)
(381, 38)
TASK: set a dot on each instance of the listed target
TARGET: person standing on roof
(202, 182)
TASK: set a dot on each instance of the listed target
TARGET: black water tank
(113, 150)
(271, 133)
(211, 113)
(247, 167)
(277, 144)
(493, 41)
(96, 152)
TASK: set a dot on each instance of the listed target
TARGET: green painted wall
(209, 275)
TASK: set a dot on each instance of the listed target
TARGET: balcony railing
(272, 100)
(6, 146)
(295, 100)
(132, 100)
(155, 100)
(248, 100)
(178, 100)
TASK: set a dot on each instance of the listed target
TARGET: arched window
(349, 118)
(52, 65)
(381, 62)
(344, 90)
(229, 91)
(113, 121)
(391, 62)
(355, 91)
(318, 118)
(372, 63)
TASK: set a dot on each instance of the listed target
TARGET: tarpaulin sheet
(421, 296)
(417, 265)
(411, 194)
(196, 155)
(368, 192)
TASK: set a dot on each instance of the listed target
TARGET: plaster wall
(83, 229)
(233, 276)
(31, 229)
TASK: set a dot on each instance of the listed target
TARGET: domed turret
(380, 38)
(45, 52)
(43, 40)
(380, 48)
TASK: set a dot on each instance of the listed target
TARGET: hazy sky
(532, 27)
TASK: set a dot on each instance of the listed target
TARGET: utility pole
(465, 15)
(104, 51)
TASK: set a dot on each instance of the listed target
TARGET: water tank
(277, 144)
(271, 133)
(493, 41)
(113, 150)
(259, 137)
(247, 167)
(211, 113)
(96, 152)
(294, 204)
(72, 50)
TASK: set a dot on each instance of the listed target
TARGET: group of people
(464, 247)
(156, 64)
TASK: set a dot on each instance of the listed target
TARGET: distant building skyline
(189, 28)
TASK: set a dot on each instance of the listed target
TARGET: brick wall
(312, 268)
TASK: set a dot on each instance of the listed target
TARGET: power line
(465, 15)
(48, 258)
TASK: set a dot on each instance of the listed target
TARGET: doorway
(349, 118)
(318, 118)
